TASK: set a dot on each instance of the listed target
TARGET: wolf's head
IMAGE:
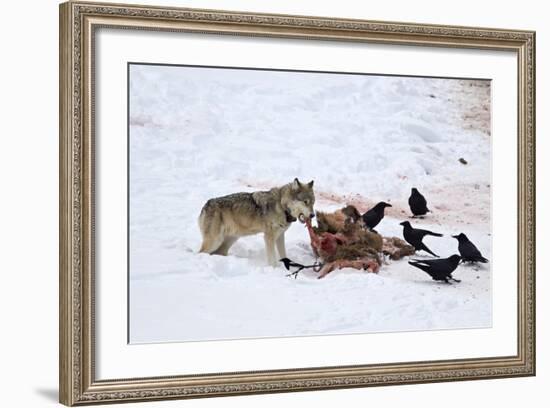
(298, 200)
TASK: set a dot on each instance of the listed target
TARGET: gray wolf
(224, 220)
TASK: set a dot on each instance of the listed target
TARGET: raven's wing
(369, 217)
(289, 263)
(420, 265)
(422, 200)
(428, 262)
(286, 262)
(422, 233)
(423, 267)
(471, 251)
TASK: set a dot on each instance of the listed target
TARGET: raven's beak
(454, 236)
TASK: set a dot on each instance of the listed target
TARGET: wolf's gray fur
(224, 220)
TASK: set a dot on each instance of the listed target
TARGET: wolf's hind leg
(224, 247)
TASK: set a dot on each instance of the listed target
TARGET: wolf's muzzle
(303, 218)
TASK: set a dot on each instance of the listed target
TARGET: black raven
(417, 203)
(468, 250)
(438, 269)
(373, 216)
(414, 237)
(288, 263)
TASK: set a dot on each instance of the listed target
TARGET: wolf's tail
(202, 220)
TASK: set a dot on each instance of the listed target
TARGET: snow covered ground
(198, 133)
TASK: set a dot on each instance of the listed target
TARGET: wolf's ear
(310, 184)
(296, 184)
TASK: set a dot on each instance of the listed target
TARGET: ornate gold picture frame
(79, 22)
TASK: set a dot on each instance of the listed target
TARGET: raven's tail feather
(425, 248)
(418, 265)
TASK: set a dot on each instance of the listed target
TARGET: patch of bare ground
(451, 205)
(473, 99)
(460, 205)
(456, 205)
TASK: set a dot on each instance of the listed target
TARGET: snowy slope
(200, 133)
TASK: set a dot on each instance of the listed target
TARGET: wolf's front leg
(270, 248)
(280, 241)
